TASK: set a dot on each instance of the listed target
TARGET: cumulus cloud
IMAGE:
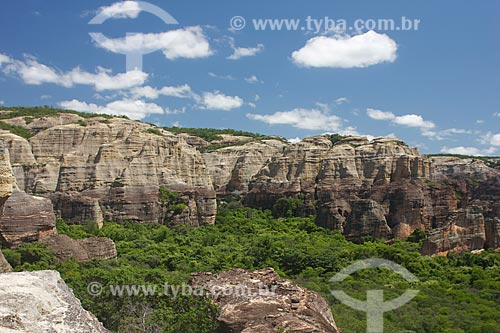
(34, 73)
(413, 120)
(410, 120)
(240, 52)
(294, 140)
(363, 50)
(495, 140)
(309, 119)
(189, 42)
(218, 101)
(123, 9)
(468, 151)
(134, 109)
(380, 115)
(253, 79)
(183, 91)
(4, 59)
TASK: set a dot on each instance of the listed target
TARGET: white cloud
(34, 73)
(310, 119)
(252, 105)
(413, 120)
(294, 140)
(341, 100)
(222, 77)
(176, 124)
(495, 140)
(479, 121)
(2, 102)
(175, 111)
(496, 114)
(189, 42)
(380, 115)
(240, 52)
(134, 109)
(468, 151)
(410, 120)
(256, 98)
(4, 59)
(219, 101)
(183, 91)
(253, 79)
(123, 9)
(362, 50)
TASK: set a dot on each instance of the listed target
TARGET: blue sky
(435, 87)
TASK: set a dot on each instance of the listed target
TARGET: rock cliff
(93, 169)
(42, 302)
(262, 302)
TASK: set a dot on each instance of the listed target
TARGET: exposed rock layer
(113, 169)
(82, 250)
(261, 302)
(42, 302)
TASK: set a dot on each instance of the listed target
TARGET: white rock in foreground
(42, 302)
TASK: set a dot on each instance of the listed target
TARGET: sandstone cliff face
(82, 250)
(261, 302)
(361, 188)
(100, 169)
(110, 169)
(466, 194)
(42, 302)
(23, 218)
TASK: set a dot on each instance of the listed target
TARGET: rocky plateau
(94, 169)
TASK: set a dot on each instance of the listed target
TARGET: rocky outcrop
(232, 168)
(363, 188)
(96, 169)
(4, 264)
(6, 177)
(261, 302)
(42, 302)
(112, 169)
(465, 195)
(26, 218)
(81, 250)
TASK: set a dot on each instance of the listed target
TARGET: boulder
(82, 250)
(40, 301)
(262, 302)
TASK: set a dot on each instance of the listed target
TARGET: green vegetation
(154, 131)
(17, 130)
(171, 201)
(336, 138)
(46, 111)
(458, 293)
(211, 134)
(288, 207)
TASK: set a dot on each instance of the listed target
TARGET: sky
(427, 72)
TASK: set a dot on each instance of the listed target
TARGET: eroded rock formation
(82, 250)
(94, 169)
(262, 302)
(41, 302)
